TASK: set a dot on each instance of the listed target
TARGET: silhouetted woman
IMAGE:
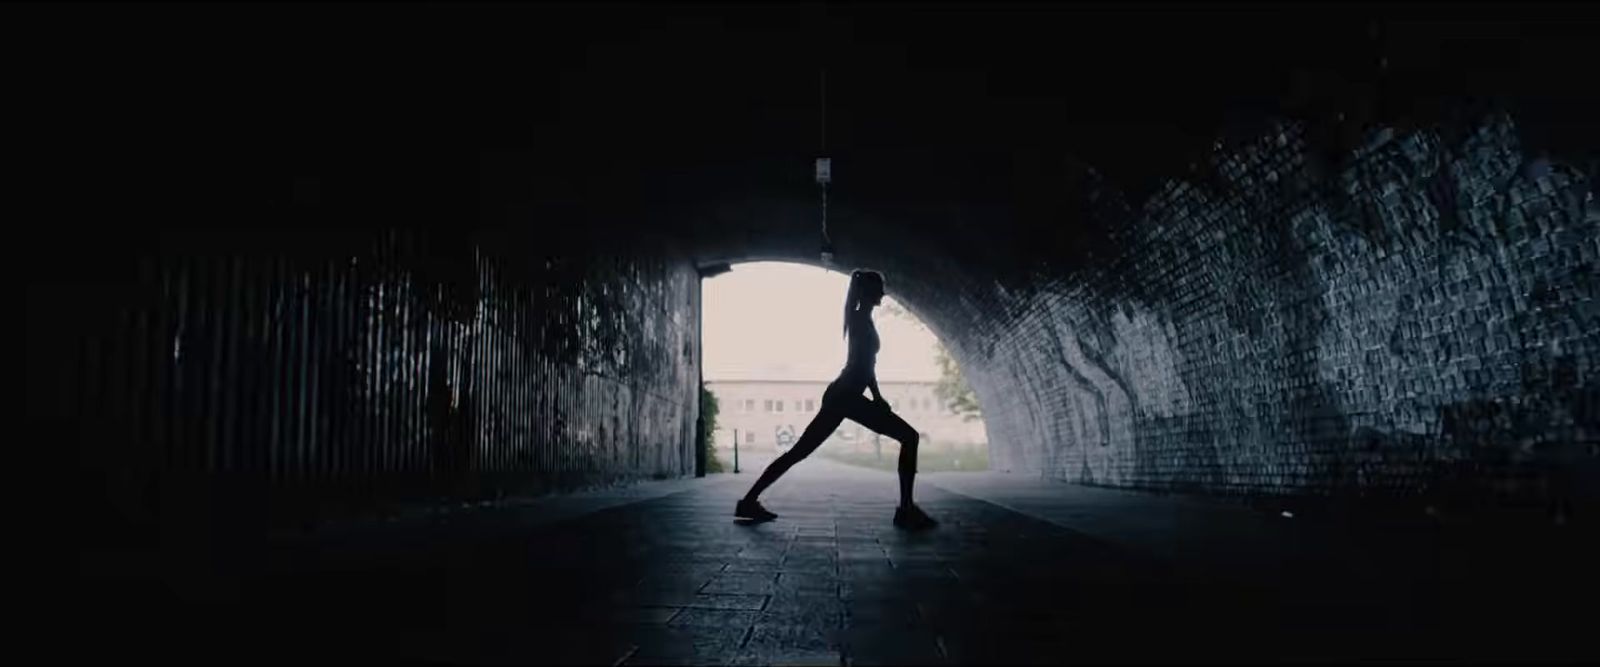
(843, 399)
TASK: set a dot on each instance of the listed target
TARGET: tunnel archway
(1193, 296)
(1340, 260)
(772, 345)
(1218, 337)
(1245, 293)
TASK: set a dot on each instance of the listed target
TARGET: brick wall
(362, 366)
(1420, 319)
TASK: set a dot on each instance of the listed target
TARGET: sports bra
(863, 355)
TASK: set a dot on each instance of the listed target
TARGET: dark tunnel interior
(371, 332)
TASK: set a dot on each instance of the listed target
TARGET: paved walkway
(1020, 571)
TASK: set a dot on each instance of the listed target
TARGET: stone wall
(366, 366)
(1420, 319)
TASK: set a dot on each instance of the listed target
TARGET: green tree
(953, 389)
(708, 441)
(893, 309)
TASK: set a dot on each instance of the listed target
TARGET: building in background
(769, 415)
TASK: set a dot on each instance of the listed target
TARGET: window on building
(767, 404)
(797, 405)
(749, 436)
(811, 405)
(749, 405)
(780, 405)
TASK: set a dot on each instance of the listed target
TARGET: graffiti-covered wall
(381, 364)
(1419, 318)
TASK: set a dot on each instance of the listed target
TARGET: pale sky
(773, 320)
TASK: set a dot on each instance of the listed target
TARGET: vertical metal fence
(366, 374)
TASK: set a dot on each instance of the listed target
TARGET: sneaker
(913, 518)
(750, 509)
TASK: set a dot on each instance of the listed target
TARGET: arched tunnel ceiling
(961, 135)
(975, 150)
(965, 142)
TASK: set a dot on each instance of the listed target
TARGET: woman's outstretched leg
(817, 431)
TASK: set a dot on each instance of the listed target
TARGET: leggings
(839, 403)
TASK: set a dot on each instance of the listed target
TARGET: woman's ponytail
(851, 297)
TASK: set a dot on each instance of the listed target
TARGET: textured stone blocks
(1322, 357)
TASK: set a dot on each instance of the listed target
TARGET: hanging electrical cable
(824, 166)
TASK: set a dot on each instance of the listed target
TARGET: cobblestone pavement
(672, 579)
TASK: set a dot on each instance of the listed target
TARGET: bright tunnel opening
(772, 339)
